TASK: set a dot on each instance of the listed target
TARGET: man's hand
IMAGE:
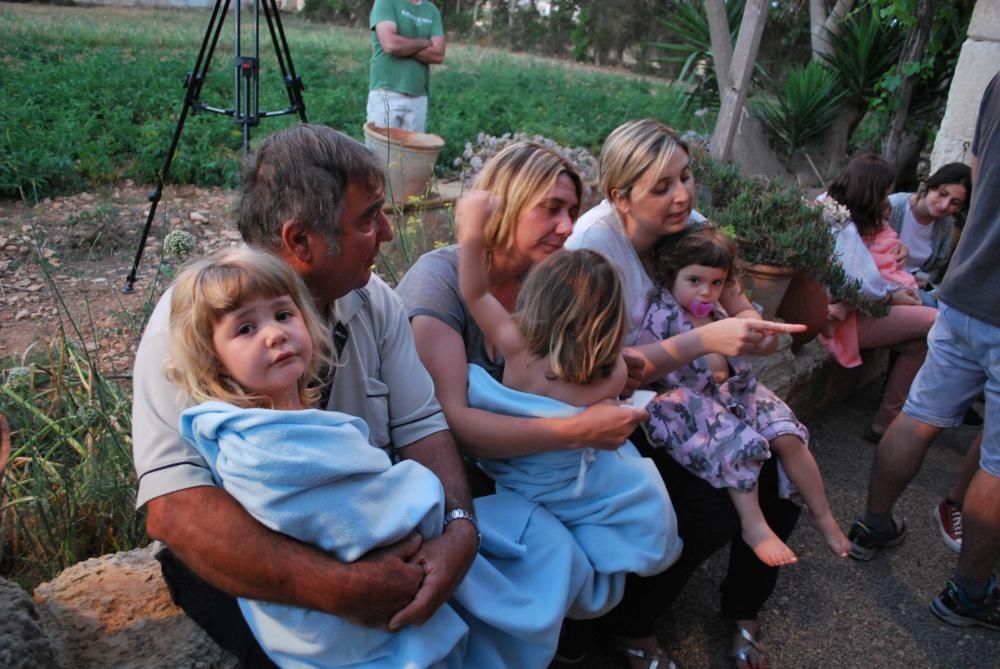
(394, 580)
(444, 562)
(203, 524)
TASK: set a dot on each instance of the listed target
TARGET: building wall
(978, 61)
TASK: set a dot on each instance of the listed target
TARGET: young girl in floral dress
(712, 415)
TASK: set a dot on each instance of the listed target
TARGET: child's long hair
(571, 309)
(862, 188)
(211, 287)
(705, 245)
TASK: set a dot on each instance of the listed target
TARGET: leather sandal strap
(654, 659)
(742, 654)
(746, 636)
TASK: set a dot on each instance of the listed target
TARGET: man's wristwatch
(463, 514)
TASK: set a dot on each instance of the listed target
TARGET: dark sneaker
(948, 518)
(954, 608)
(866, 542)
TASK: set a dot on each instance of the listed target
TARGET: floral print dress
(720, 433)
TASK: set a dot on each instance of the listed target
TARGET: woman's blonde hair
(633, 149)
(571, 309)
(520, 175)
(211, 287)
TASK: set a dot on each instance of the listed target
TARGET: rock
(115, 611)
(198, 217)
(23, 641)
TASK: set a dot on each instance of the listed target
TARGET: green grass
(92, 96)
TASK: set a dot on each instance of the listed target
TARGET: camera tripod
(244, 111)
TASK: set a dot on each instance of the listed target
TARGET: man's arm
(419, 432)
(395, 44)
(434, 54)
(447, 558)
(215, 537)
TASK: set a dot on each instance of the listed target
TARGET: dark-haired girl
(862, 192)
(712, 415)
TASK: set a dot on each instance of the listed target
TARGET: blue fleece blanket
(313, 475)
(613, 502)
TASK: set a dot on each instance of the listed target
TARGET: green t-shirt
(402, 75)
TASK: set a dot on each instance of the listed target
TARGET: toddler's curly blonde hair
(211, 287)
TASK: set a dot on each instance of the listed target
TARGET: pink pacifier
(701, 309)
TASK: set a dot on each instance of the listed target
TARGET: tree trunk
(837, 137)
(821, 24)
(913, 50)
(737, 76)
(722, 47)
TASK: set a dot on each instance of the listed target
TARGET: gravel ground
(831, 613)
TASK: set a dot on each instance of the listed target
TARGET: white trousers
(390, 109)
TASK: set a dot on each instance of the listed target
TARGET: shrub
(803, 110)
(69, 489)
(771, 221)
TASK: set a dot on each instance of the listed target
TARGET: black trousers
(707, 522)
(215, 611)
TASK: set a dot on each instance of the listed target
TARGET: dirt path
(64, 261)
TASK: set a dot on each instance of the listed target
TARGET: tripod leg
(192, 85)
(293, 83)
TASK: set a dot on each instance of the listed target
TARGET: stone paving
(827, 612)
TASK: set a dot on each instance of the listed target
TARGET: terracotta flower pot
(766, 286)
(805, 302)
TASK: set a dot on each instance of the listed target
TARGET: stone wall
(978, 61)
(115, 611)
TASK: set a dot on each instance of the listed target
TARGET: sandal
(741, 655)
(656, 660)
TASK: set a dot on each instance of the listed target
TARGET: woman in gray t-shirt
(539, 194)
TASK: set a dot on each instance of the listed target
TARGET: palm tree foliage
(688, 24)
(804, 109)
(865, 47)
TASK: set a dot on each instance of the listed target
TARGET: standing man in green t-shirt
(407, 37)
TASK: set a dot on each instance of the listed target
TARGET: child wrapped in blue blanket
(562, 351)
(247, 343)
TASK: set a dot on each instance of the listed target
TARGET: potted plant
(781, 237)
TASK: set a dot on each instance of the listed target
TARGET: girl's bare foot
(769, 549)
(827, 525)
